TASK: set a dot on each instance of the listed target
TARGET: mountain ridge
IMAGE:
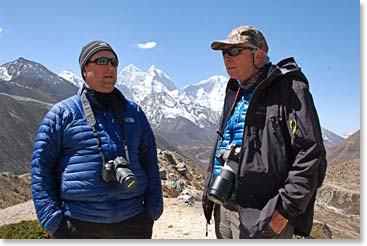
(186, 118)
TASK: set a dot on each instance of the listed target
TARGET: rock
(320, 230)
(8, 174)
(163, 173)
(187, 199)
(197, 195)
(181, 169)
(177, 185)
(168, 156)
(172, 177)
(169, 192)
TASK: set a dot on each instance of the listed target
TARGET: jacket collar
(251, 83)
(118, 96)
(268, 73)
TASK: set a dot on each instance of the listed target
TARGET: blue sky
(322, 35)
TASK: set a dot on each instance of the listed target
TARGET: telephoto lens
(222, 186)
(123, 174)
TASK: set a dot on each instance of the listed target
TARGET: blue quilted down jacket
(233, 132)
(67, 166)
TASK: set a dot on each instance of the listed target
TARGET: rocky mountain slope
(14, 189)
(179, 175)
(19, 120)
(338, 199)
(348, 150)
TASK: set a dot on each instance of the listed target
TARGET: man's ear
(259, 58)
(84, 71)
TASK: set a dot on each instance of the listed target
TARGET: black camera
(222, 186)
(119, 170)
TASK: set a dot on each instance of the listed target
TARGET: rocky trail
(178, 221)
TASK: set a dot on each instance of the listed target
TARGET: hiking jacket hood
(67, 165)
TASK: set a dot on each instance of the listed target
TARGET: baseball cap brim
(219, 44)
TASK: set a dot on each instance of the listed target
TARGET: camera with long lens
(222, 186)
(119, 170)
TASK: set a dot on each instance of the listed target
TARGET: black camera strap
(91, 121)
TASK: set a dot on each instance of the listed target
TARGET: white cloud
(1, 29)
(147, 45)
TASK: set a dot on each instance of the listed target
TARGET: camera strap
(91, 121)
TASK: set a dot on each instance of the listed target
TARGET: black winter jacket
(283, 159)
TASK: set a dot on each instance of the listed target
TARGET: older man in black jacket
(269, 158)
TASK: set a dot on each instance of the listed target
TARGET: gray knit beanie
(92, 48)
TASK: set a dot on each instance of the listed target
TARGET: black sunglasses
(103, 61)
(235, 51)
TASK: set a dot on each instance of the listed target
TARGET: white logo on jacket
(129, 120)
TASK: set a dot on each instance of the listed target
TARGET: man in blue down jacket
(76, 139)
(278, 160)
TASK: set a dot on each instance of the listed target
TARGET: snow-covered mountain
(209, 92)
(141, 83)
(160, 99)
(70, 76)
(330, 138)
(185, 118)
(163, 102)
(30, 79)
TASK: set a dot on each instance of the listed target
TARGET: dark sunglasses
(235, 51)
(103, 61)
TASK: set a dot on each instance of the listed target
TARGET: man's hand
(277, 222)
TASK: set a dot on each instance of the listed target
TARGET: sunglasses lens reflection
(103, 61)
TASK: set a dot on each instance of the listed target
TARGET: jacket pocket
(252, 161)
(277, 156)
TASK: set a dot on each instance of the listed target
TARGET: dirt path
(178, 220)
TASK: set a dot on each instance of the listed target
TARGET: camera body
(119, 170)
(222, 186)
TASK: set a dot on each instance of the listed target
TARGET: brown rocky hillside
(346, 151)
(14, 189)
(338, 200)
